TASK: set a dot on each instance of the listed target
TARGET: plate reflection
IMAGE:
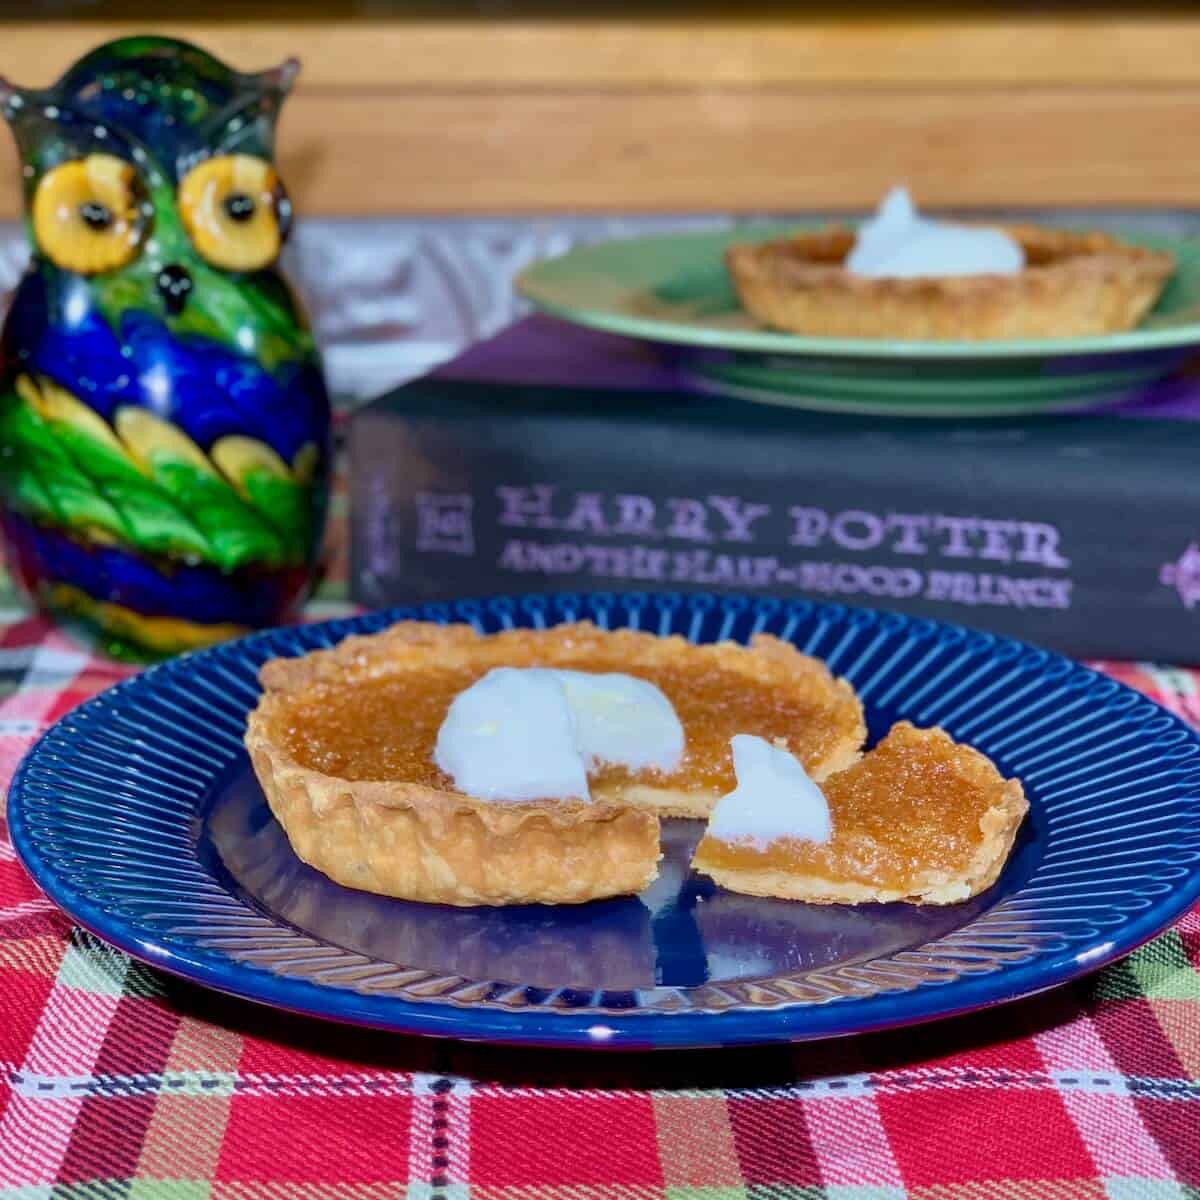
(682, 931)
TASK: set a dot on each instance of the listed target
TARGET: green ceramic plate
(674, 289)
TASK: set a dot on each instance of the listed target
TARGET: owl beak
(174, 286)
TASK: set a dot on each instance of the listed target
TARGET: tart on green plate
(675, 290)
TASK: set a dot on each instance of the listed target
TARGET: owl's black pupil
(239, 206)
(96, 215)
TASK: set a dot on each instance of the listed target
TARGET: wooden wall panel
(1076, 49)
(478, 117)
(719, 151)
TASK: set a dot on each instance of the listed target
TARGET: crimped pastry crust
(407, 839)
(767, 872)
(417, 843)
(1073, 285)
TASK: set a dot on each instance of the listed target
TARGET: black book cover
(1078, 533)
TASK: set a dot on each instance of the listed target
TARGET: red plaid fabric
(116, 1081)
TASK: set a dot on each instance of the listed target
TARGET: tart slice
(1072, 285)
(345, 745)
(919, 818)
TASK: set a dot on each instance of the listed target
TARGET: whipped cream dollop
(531, 733)
(511, 736)
(899, 243)
(623, 720)
(774, 798)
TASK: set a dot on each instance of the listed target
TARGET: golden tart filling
(382, 722)
(346, 743)
(343, 742)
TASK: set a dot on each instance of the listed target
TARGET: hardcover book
(1079, 533)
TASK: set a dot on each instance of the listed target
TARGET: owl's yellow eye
(86, 214)
(235, 211)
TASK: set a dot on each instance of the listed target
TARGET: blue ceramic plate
(139, 814)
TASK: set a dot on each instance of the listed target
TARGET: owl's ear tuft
(11, 100)
(281, 78)
(37, 121)
(247, 125)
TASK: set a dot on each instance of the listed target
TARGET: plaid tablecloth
(117, 1081)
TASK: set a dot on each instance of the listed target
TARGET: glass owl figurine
(164, 425)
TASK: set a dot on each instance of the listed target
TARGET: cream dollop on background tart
(899, 243)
